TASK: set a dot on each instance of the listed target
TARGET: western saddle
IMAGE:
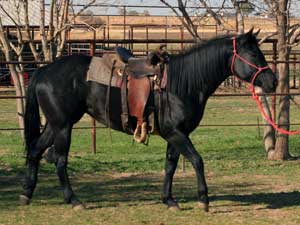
(136, 86)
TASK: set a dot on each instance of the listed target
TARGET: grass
(122, 183)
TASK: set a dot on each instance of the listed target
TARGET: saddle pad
(100, 70)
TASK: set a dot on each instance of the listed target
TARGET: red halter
(252, 90)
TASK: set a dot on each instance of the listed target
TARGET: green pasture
(122, 183)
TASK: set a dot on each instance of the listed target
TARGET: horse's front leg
(172, 156)
(183, 144)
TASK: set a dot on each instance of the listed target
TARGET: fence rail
(217, 95)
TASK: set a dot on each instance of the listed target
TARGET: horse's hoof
(174, 208)
(78, 207)
(203, 206)
(24, 200)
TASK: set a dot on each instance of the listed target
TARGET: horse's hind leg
(172, 157)
(33, 159)
(62, 145)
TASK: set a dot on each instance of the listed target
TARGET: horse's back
(67, 67)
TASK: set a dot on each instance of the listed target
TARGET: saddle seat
(137, 67)
(138, 71)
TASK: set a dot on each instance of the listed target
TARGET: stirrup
(140, 133)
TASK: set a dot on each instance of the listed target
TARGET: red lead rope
(252, 90)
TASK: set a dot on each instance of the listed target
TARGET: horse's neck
(223, 74)
(199, 71)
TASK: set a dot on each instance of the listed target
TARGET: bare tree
(216, 13)
(184, 17)
(53, 25)
(288, 36)
(277, 144)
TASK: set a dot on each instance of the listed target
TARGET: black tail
(32, 115)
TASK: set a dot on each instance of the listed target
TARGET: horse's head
(249, 64)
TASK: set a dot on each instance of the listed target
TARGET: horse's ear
(250, 32)
(256, 33)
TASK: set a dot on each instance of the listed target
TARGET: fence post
(93, 131)
(166, 29)
(294, 71)
(273, 108)
(181, 37)
(124, 23)
(147, 38)
(183, 164)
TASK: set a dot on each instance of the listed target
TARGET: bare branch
(84, 8)
(51, 26)
(62, 27)
(12, 19)
(27, 30)
(5, 42)
(267, 36)
(42, 31)
(294, 34)
(182, 8)
(57, 32)
(19, 47)
(213, 14)
(184, 23)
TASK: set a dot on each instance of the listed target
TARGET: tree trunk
(4, 43)
(281, 151)
(239, 20)
(269, 132)
(20, 92)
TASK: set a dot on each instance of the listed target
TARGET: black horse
(63, 94)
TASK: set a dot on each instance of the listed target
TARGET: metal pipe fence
(244, 100)
(91, 47)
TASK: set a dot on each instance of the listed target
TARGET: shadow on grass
(272, 200)
(99, 191)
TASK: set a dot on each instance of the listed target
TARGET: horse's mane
(200, 68)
